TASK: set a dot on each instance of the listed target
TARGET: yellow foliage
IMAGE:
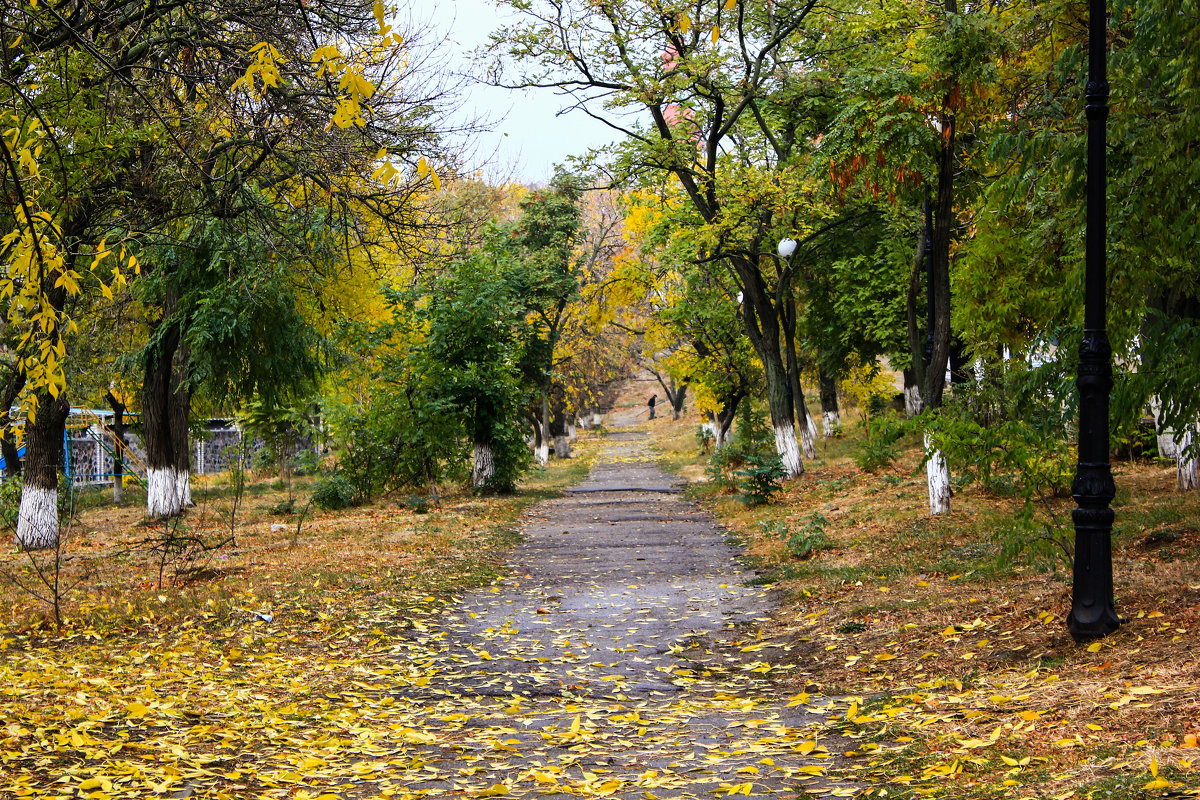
(866, 381)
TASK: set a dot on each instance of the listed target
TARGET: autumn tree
(231, 112)
(719, 85)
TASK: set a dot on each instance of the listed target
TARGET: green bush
(881, 445)
(10, 501)
(811, 539)
(751, 449)
(334, 492)
(1013, 444)
(761, 479)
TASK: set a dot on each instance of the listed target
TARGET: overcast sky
(529, 137)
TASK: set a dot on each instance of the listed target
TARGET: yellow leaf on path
(1094, 647)
(136, 709)
(949, 631)
(885, 656)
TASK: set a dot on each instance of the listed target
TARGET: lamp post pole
(1093, 613)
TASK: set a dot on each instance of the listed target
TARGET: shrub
(751, 449)
(881, 445)
(334, 492)
(811, 539)
(761, 479)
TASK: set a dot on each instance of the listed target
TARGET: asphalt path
(620, 658)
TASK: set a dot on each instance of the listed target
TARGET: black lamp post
(1093, 613)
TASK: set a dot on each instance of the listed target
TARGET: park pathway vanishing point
(618, 660)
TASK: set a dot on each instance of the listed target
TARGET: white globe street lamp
(786, 248)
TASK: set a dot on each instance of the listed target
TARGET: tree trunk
(787, 445)
(37, 520)
(562, 446)
(912, 394)
(484, 467)
(180, 414)
(1187, 465)
(938, 259)
(724, 418)
(1166, 437)
(830, 413)
(763, 331)
(117, 429)
(166, 404)
(541, 433)
(808, 428)
(677, 399)
(558, 428)
(937, 476)
(914, 376)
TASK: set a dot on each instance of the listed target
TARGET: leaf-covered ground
(611, 665)
(903, 659)
(963, 659)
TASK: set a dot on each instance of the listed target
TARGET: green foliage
(760, 479)
(10, 501)
(999, 437)
(751, 440)
(806, 542)
(881, 445)
(334, 492)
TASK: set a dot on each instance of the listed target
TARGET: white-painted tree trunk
(562, 447)
(912, 401)
(484, 466)
(168, 491)
(183, 488)
(937, 475)
(541, 453)
(808, 437)
(1187, 470)
(720, 438)
(597, 420)
(830, 422)
(37, 519)
(789, 449)
(572, 434)
(1167, 448)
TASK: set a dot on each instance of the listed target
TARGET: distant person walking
(651, 402)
